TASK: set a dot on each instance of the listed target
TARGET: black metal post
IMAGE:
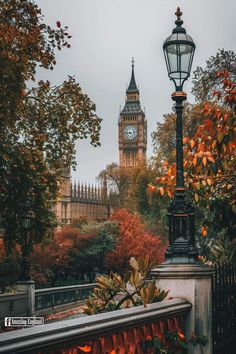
(25, 267)
(181, 247)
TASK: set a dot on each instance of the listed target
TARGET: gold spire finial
(178, 13)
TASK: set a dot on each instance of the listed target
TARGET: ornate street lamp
(179, 50)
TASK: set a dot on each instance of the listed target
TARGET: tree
(27, 189)
(149, 206)
(205, 80)
(39, 125)
(117, 179)
(9, 268)
(163, 138)
(73, 252)
(132, 241)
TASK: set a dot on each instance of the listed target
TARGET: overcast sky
(107, 34)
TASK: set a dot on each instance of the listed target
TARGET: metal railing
(52, 298)
(116, 330)
(224, 309)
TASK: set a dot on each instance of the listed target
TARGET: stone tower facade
(132, 128)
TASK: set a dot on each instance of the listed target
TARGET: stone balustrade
(103, 333)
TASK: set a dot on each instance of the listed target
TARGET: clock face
(130, 132)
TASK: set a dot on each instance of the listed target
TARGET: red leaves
(133, 241)
(58, 23)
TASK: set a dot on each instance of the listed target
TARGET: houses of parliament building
(81, 200)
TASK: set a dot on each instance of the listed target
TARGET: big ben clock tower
(132, 128)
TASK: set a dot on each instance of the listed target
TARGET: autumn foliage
(210, 154)
(210, 161)
(53, 260)
(39, 122)
(133, 241)
(96, 247)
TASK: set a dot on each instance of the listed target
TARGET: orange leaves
(209, 181)
(204, 230)
(195, 161)
(181, 335)
(151, 188)
(213, 144)
(86, 349)
(226, 117)
(161, 191)
(210, 151)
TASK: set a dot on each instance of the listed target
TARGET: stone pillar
(193, 283)
(28, 286)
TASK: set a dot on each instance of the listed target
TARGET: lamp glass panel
(171, 51)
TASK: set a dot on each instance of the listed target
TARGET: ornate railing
(110, 332)
(224, 309)
(51, 298)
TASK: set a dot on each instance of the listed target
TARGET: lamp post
(179, 50)
(25, 267)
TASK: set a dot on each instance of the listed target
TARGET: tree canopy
(39, 122)
(205, 80)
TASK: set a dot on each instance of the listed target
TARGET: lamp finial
(178, 13)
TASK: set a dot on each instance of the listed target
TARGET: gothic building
(76, 201)
(132, 128)
(80, 200)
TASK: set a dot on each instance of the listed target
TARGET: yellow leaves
(209, 181)
(196, 197)
(134, 263)
(220, 136)
(161, 191)
(148, 293)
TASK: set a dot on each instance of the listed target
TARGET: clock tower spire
(132, 128)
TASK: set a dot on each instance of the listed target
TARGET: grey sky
(107, 34)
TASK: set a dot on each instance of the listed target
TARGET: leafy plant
(114, 292)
